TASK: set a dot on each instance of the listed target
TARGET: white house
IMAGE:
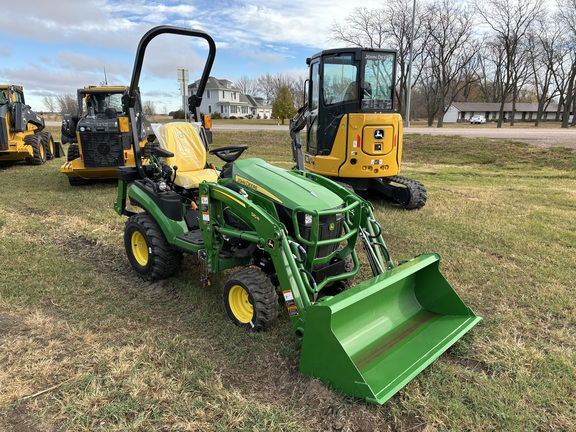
(460, 112)
(220, 96)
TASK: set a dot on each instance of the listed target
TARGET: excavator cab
(353, 133)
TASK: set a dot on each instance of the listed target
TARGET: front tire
(147, 249)
(250, 299)
(38, 150)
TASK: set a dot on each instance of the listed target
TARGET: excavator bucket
(372, 339)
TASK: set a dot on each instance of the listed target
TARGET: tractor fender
(165, 208)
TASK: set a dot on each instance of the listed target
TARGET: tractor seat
(183, 140)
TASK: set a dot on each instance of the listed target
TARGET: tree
(248, 85)
(510, 21)
(283, 106)
(451, 50)
(270, 85)
(148, 108)
(567, 16)
(68, 104)
(49, 103)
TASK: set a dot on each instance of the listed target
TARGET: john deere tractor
(97, 147)
(22, 135)
(290, 234)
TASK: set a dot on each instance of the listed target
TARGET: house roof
(495, 107)
(256, 101)
(216, 84)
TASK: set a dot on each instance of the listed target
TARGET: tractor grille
(101, 149)
(330, 227)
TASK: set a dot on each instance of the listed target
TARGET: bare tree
(68, 104)
(567, 16)
(270, 85)
(148, 108)
(510, 20)
(363, 27)
(248, 85)
(452, 50)
(49, 103)
(543, 56)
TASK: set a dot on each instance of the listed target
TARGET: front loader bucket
(372, 339)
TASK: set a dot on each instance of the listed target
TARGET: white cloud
(65, 44)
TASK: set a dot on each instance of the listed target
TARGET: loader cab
(344, 81)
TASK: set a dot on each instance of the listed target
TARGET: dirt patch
(12, 418)
(11, 324)
(15, 420)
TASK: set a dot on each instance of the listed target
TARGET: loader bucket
(372, 339)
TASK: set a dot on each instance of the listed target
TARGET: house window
(221, 110)
(209, 109)
(208, 94)
(223, 94)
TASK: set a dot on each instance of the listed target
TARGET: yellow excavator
(353, 134)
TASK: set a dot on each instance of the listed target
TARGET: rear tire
(38, 149)
(250, 299)
(49, 146)
(150, 255)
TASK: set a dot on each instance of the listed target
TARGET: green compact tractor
(286, 234)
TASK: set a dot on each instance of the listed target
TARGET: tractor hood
(289, 188)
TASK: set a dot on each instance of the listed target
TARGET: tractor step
(192, 237)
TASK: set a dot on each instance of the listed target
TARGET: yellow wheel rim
(240, 304)
(51, 145)
(139, 248)
(42, 151)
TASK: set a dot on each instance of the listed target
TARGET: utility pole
(409, 89)
(183, 80)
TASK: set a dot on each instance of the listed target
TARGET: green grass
(115, 353)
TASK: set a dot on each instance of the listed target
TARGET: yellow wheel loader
(97, 147)
(353, 134)
(22, 135)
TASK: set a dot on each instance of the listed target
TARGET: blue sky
(54, 47)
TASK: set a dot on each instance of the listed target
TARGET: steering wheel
(229, 153)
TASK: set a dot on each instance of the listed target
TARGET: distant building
(460, 112)
(220, 96)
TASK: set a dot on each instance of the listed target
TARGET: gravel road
(542, 137)
(538, 136)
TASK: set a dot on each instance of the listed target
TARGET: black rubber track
(418, 194)
(163, 260)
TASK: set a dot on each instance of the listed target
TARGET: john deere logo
(379, 134)
(331, 226)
